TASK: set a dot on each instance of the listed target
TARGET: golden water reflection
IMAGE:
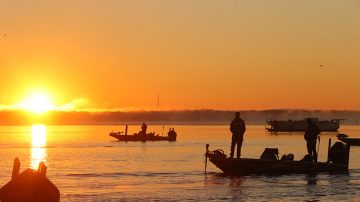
(38, 145)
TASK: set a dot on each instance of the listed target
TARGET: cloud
(78, 104)
(8, 107)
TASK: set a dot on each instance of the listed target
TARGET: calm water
(88, 165)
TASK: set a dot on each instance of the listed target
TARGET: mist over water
(88, 165)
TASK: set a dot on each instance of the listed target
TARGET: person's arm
(243, 127)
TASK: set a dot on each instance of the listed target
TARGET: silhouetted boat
(301, 125)
(172, 135)
(348, 140)
(247, 166)
(139, 137)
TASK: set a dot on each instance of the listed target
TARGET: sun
(37, 103)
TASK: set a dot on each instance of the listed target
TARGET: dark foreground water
(88, 165)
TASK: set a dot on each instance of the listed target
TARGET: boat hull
(245, 166)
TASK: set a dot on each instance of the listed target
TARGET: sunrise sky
(196, 54)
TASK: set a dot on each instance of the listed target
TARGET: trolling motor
(216, 154)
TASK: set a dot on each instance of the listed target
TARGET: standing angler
(143, 129)
(237, 128)
(311, 135)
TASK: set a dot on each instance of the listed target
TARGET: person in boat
(311, 135)
(237, 128)
(172, 133)
(143, 129)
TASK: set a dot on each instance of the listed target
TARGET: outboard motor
(338, 153)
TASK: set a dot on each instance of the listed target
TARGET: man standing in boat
(143, 129)
(311, 135)
(237, 128)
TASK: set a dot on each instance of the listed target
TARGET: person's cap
(237, 113)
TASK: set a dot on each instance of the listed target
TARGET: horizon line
(180, 110)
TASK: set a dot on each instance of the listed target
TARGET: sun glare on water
(38, 136)
(37, 103)
(38, 145)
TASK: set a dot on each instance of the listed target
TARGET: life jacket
(237, 126)
(311, 132)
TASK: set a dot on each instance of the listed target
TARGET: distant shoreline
(184, 117)
(155, 124)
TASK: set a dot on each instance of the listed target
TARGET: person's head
(237, 114)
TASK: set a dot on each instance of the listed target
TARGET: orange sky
(196, 54)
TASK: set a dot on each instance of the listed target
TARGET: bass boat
(338, 162)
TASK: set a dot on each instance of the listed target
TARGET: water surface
(88, 165)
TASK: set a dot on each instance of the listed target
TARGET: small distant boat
(348, 140)
(301, 125)
(172, 135)
(247, 166)
(140, 137)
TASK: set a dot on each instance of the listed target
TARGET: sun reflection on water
(38, 144)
